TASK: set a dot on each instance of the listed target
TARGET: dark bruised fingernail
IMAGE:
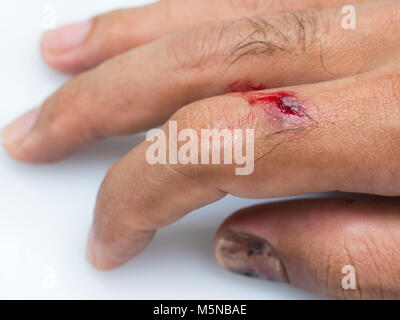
(250, 255)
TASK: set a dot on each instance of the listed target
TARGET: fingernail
(19, 128)
(67, 37)
(95, 255)
(250, 255)
(90, 249)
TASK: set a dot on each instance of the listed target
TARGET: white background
(45, 210)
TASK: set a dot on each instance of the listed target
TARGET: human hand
(323, 103)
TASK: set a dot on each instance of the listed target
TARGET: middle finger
(142, 88)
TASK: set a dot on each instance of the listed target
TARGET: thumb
(339, 248)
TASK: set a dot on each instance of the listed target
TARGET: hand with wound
(324, 104)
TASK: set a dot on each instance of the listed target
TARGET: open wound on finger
(282, 110)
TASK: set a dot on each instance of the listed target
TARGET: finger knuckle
(198, 48)
(304, 28)
(372, 259)
(225, 43)
(291, 33)
(69, 106)
(252, 7)
(211, 122)
(324, 264)
(384, 113)
(200, 115)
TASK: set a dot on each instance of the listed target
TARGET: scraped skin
(322, 100)
(283, 110)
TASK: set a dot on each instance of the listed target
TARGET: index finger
(297, 149)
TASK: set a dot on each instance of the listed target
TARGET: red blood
(286, 102)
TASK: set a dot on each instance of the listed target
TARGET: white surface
(45, 210)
